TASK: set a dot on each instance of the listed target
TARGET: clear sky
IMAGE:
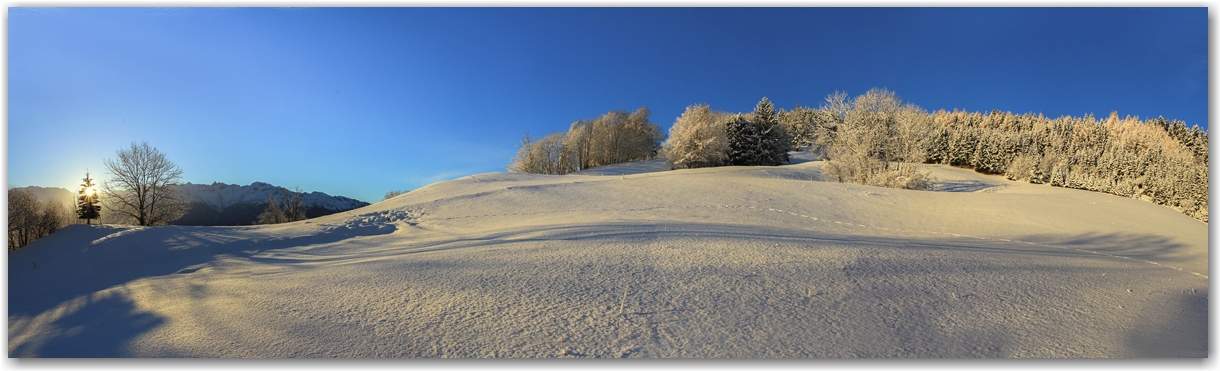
(358, 102)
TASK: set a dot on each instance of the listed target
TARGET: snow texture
(711, 262)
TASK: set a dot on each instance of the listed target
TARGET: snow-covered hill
(717, 262)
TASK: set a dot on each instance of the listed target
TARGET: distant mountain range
(54, 194)
(227, 204)
(232, 204)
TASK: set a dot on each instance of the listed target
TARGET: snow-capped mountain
(232, 204)
(220, 196)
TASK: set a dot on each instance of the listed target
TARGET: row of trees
(613, 138)
(30, 218)
(701, 137)
(876, 139)
(1155, 160)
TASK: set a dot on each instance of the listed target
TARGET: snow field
(629, 262)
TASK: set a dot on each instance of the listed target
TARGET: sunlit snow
(634, 261)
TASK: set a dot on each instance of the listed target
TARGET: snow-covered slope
(719, 262)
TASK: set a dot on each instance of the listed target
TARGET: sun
(89, 191)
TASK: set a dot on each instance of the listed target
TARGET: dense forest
(875, 138)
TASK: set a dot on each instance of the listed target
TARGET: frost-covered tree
(745, 141)
(1155, 160)
(871, 143)
(141, 187)
(758, 139)
(697, 139)
(801, 124)
(542, 156)
(613, 138)
(394, 193)
(776, 138)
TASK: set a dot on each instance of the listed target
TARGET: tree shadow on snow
(961, 185)
(99, 327)
(81, 260)
(1159, 333)
(104, 326)
(1136, 246)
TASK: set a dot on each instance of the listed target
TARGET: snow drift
(625, 261)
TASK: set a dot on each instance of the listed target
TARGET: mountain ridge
(226, 204)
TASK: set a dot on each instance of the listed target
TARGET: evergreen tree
(744, 141)
(759, 140)
(775, 139)
(86, 203)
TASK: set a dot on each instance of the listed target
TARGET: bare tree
(294, 204)
(273, 214)
(291, 209)
(141, 186)
(30, 218)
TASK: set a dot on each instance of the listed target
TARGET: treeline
(875, 138)
(702, 137)
(1155, 160)
(613, 138)
(30, 218)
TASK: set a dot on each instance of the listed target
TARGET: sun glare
(89, 191)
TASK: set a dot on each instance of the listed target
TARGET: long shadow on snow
(912, 316)
(101, 327)
(1160, 333)
(80, 260)
(961, 185)
(1153, 248)
(114, 322)
(1144, 247)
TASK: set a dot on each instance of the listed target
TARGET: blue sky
(358, 102)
